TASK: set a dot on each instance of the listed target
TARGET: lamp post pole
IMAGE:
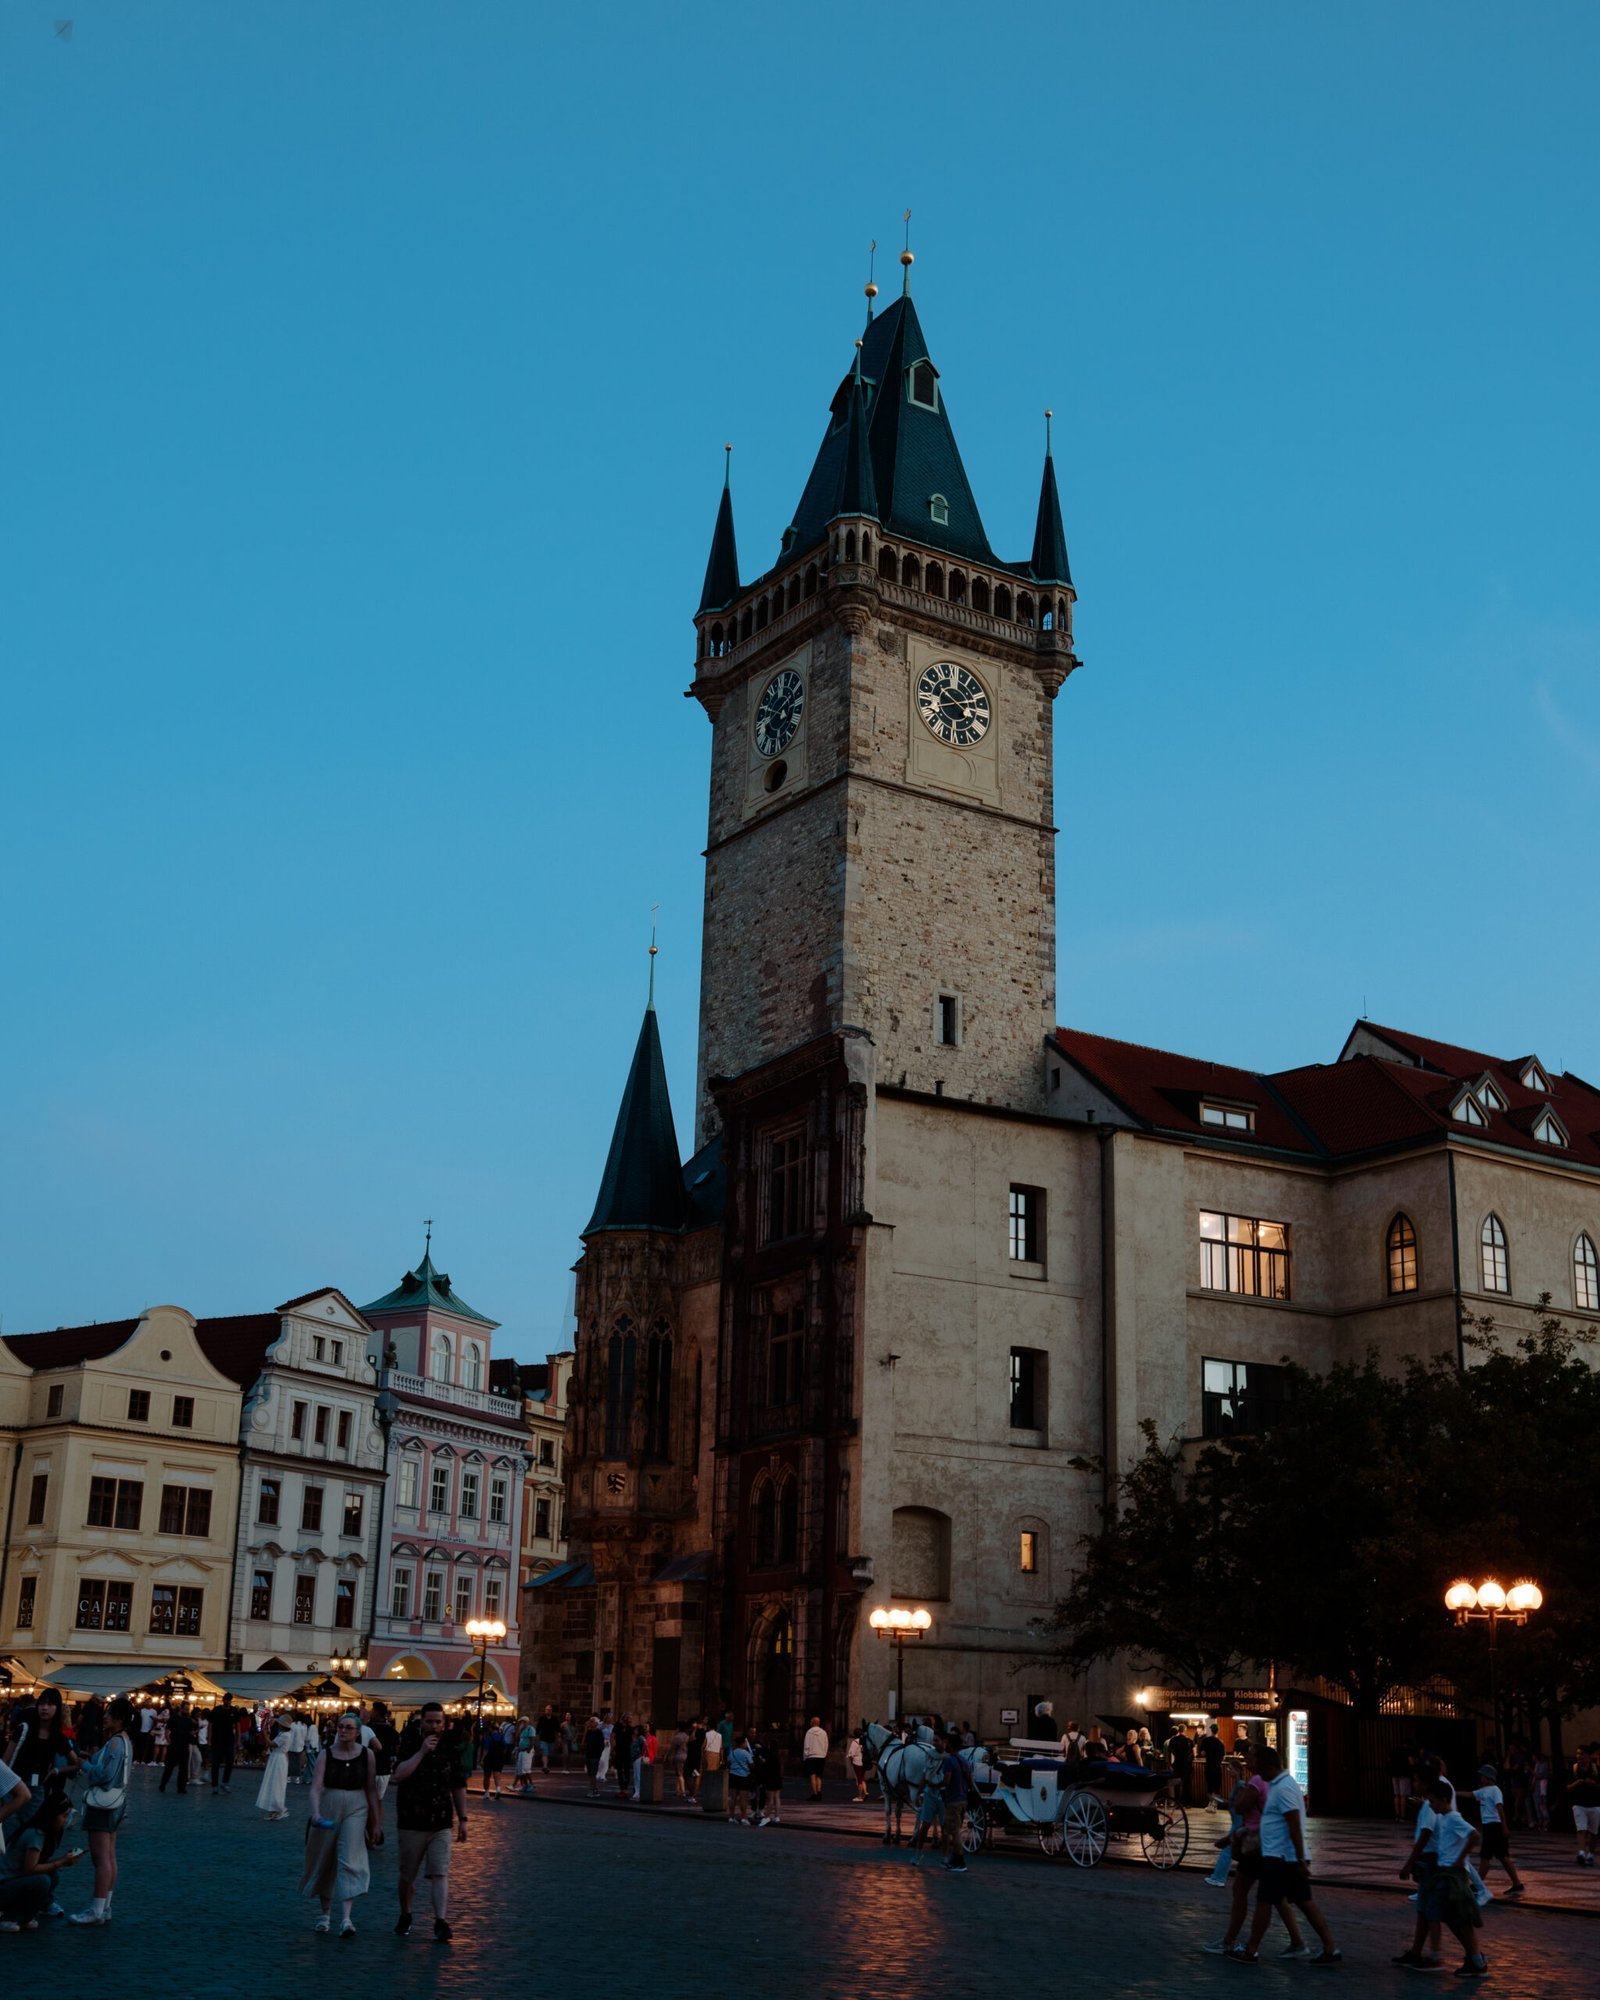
(483, 1632)
(1490, 1603)
(898, 1623)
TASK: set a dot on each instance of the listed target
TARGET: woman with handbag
(105, 1802)
(346, 1819)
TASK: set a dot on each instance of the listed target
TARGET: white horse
(903, 1769)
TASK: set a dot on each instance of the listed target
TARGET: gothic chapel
(778, 1419)
(935, 1259)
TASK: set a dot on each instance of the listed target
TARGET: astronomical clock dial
(778, 715)
(952, 703)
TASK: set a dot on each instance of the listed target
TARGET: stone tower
(880, 850)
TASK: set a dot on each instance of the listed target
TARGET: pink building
(458, 1456)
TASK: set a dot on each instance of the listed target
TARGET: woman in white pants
(345, 1802)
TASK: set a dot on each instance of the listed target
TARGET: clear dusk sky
(367, 371)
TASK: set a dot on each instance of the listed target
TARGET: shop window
(104, 1605)
(261, 1595)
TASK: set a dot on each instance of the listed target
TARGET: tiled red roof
(1165, 1090)
(1360, 1104)
(237, 1345)
(65, 1346)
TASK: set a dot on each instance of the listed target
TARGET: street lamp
(1490, 1603)
(484, 1633)
(351, 1666)
(899, 1624)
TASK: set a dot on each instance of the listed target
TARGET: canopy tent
(13, 1674)
(280, 1686)
(400, 1693)
(109, 1677)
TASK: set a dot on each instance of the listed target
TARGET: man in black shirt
(1211, 1749)
(429, 1784)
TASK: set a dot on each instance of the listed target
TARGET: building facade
(122, 1506)
(543, 1388)
(458, 1458)
(312, 1473)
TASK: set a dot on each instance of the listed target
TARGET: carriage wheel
(1084, 1829)
(1168, 1847)
(1051, 1838)
(973, 1828)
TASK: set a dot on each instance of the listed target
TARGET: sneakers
(1295, 1951)
(347, 1928)
(89, 1916)
(323, 1925)
(7, 1925)
(442, 1931)
(1475, 1968)
(1516, 1889)
(1328, 1958)
(1239, 1956)
(403, 1925)
(1218, 1947)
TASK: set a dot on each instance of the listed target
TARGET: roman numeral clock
(954, 721)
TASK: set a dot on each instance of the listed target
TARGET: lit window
(1028, 1552)
(1241, 1253)
(1492, 1256)
(1548, 1130)
(1230, 1117)
(1467, 1111)
(1402, 1248)
(1585, 1276)
(1026, 1225)
(1239, 1396)
(939, 510)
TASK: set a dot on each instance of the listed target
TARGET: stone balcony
(505, 1409)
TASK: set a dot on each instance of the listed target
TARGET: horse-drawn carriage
(1074, 1808)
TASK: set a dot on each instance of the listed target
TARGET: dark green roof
(642, 1186)
(913, 450)
(425, 1287)
(722, 568)
(858, 489)
(1049, 561)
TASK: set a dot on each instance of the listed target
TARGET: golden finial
(906, 258)
(654, 911)
(872, 259)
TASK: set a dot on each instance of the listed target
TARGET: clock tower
(880, 855)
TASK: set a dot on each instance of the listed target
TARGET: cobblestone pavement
(553, 1900)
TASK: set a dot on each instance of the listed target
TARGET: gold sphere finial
(907, 259)
(860, 344)
(872, 291)
(1049, 413)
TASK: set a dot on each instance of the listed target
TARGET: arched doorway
(774, 1675)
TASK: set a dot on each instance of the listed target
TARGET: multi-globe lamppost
(900, 1624)
(484, 1633)
(1492, 1604)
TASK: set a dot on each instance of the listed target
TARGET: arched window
(810, 587)
(1492, 1255)
(1002, 600)
(719, 640)
(472, 1366)
(919, 1566)
(980, 593)
(439, 1364)
(939, 510)
(658, 1394)
(911, 573)
(764, 1524)
(621, 1365)
(933, 580)
(792, 595)
(1585, 1276)
(788, 1520)
(850, 545)
(924, 385)
(958, 587)
(887, 566)
(1061, 614)
(1402, 1249)
(763, 612)
(1025, 608)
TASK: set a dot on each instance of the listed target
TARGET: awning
(685, 1569)
(401, 1693)
(572, 1576)
(109, 1677)
(274, 1686)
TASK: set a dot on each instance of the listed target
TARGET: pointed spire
(858, 491)
(722, 568)
(1049, 561)
(642, 1186)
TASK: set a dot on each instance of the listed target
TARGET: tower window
(939, 510)
(1027, 1389)
(786, 1177)
(924, 385)
(950, 1020)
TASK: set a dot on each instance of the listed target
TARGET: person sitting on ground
(30, 1862)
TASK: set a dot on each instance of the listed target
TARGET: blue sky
(369, 368)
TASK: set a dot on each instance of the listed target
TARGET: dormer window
(1548, 1130)
(923, 385)
(1534, 1078)
(1489, 1094)
(1229, 1117)
(1467, 1111)
(939, 510)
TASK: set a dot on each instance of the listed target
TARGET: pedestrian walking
(224, 1743)
(527, 1748)
(1494, 1821)
(105, 1803)
(957, 1784)
(694, 1759)
(594, 1751)
(622, 1755)
(31, 1859)
(855, 1763)
(1583, 1795)
(547, 1733)
(299, 1742)
(929, 1829)
(430, 1792)
(767, 1770)
(814, 1754)
(383, 1740)
(642, 1751)
(494, 1762)
(1285, 1870)
(346, 1819)
(180, 1740)
(1445, 1892)
(1211, 1754)
(273, 1796)
(1401, 1760)
(1241, 1852)
(145, 1744)
(1180, 1755)
(741, 1778)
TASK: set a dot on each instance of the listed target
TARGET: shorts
(524, 1763)
(419, 1845)
(1496, 1847)
(1249, 1865)
(1402, 1787)
(1586, 1819)
(814, 1766)
(103, 1819)
(740, 1784)
(1282, 1882)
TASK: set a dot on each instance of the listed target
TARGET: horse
(903, 1769)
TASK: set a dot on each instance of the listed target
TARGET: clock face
(952, 703)
(778, 716)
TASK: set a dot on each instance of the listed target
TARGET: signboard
(1300, 1750)
(1008, 1716)
(1212, 1701)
